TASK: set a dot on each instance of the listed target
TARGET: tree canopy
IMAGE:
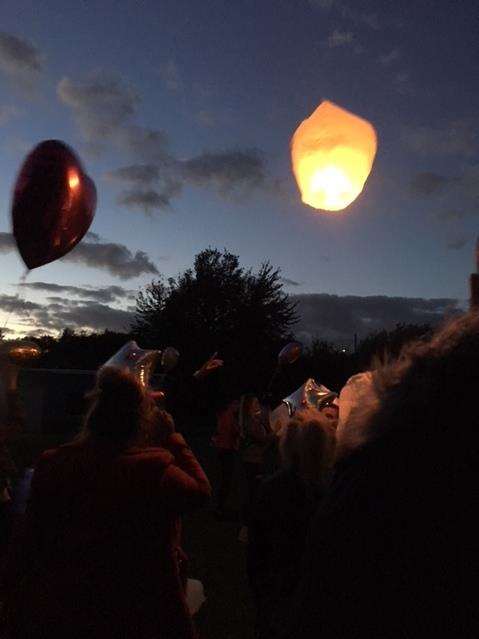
(219, 306)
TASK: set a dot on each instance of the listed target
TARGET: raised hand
(211, 364)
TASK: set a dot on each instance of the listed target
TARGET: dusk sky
(182, 112)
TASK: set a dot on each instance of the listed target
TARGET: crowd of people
(352, 512)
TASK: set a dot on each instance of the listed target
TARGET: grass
(218, 561)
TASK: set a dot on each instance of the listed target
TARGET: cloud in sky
(105, 294)
(289, 282)
(459, 195)
(139, 174)
(338, 318)
(117, 259)
(7, 113)
(322, 316)
(321, 4)
(428, 183)
(402, 83)
(170, 76)
(348, 12)
(457, 137)
(89, 315)
(18, 57)
(457, 243)
(100, 105)
(7, 242)
(388, 59)
(55, 316)
(340, 38)
(149, 200)
(228, 169)
(104, 108)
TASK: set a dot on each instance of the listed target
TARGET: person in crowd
(188, 397)
(11, 421)
(226, 441)
(282, 512)
(99, 555)
(393, 549)
(256, 439)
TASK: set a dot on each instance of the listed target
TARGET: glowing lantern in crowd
(332, 153)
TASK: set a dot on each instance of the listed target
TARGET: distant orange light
(332, 153)
(73, 180)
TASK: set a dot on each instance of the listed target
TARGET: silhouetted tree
(219, 306)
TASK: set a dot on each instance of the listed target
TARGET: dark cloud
(59, 314)
(7, 113)
(93, 237)
(90, 315)
(389, 58)
(100, 105)
(151, 199)
(117, 259)
(457, 137)
(106, 294)
(289, 282)
(7, 242)
(457, 244)
(321, 4)
(402, 83)
(143, 174)
(171, 77)
(206, 119)
(18, 56)
(228, 170)
(340, 38)
(459, 194)
(348, 12)
(428, 183)
(146, 200)
(104, 109)
(336, 318)
(16, 305)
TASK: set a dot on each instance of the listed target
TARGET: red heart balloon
(53, 204)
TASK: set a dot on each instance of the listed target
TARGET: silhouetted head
(307, 445)
(121, 410)
(429, 392)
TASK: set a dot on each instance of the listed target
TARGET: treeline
(324, 361)
(243, 315)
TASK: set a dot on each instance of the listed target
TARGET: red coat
(99, 553)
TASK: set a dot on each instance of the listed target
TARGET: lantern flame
(332, 153)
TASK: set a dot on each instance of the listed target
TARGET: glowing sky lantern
(332, 153)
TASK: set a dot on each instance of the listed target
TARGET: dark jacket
(99, 553)
(280, 519)
(392, 551)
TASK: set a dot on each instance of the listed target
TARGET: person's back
(392, 547)
(281, 515)
(100, 552)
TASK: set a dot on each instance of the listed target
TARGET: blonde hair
(307, 444)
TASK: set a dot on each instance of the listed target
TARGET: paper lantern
(332, 153)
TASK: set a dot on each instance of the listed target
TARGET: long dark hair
(120, 410)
